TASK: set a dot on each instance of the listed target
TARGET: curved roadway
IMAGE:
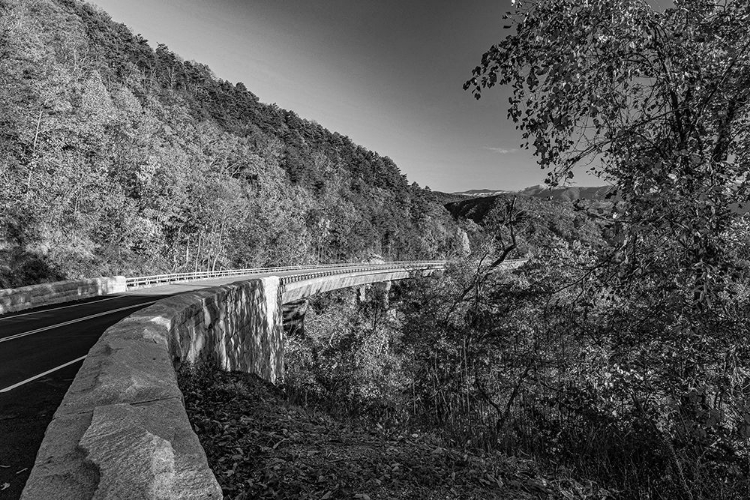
(41, 351)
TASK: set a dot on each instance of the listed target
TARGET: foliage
(545, 222)
(537, 362)
(120, 159)
(657, 102)
(348, 355)
(261, 446)
(659, 99)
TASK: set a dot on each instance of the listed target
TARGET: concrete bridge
(121, 431)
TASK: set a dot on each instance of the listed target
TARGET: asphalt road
(40, 354)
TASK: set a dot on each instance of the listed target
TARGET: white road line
(11, 387)
(77, 320)
(61, 307)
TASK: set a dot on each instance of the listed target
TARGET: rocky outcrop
(464, 245)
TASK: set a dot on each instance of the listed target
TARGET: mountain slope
(568, 193)
(565, 193)
(543, 222)
(121, 159)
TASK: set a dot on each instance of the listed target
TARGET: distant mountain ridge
(481, 192)
(545, 220)
(563, 193)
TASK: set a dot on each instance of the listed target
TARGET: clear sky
(386, 73)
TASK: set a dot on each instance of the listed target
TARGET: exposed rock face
(464, 246)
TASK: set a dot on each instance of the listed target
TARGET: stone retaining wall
(121, 430)
(18, 299)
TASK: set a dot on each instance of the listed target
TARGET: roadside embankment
(27, 297)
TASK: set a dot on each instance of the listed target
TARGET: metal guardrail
(196, 275)
(390, 266)
(159, 279)
(330, 270)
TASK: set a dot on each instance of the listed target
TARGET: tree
(657, 103)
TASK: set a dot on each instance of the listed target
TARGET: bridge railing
(157, 279)
(160, 279)
(358, 268)
(404, 265)
(315, 272)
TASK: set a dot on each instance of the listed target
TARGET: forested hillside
(545, 223)
(120, 159)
